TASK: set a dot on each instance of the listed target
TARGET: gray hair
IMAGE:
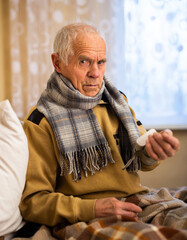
(65, 37)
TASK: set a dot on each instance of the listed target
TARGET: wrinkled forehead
(90, 43)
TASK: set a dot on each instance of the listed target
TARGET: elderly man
(81, 134)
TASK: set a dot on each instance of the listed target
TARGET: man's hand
(111, 206)
(160, 146)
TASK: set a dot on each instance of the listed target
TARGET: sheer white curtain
(32, 26)
(155, 61)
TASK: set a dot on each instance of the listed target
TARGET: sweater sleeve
(40, 202)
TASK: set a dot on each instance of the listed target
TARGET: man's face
(86, 67)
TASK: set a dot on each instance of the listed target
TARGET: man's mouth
(91, 85)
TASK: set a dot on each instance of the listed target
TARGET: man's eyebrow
(83, 57)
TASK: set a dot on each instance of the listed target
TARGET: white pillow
(13, 166)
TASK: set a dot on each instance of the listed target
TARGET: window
(155, 58)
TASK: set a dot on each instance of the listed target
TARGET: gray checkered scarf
(81, 142)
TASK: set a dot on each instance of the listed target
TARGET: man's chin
(90, 92)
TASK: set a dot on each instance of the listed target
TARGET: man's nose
(94, 71)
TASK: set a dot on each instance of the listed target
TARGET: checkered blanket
(164, 216)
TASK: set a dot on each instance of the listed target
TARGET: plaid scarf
(81, 142)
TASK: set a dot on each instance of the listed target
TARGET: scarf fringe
(87, 160)
(133, 164)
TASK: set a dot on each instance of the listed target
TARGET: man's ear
(56, 62)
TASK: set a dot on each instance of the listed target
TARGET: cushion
(13, 166)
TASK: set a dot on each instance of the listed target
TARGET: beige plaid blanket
(164, 216)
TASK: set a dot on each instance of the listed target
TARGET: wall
(171, 172)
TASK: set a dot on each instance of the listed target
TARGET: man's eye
(84, 62)
(101, 62)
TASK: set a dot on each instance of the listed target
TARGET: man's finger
(150, 151)
(157, 146)
(131, 207)
(173, 141)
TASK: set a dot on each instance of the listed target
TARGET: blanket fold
(164, 217)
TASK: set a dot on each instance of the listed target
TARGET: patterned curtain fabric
(155, 61)
(30, 30)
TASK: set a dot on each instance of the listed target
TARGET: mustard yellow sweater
(49, 198)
